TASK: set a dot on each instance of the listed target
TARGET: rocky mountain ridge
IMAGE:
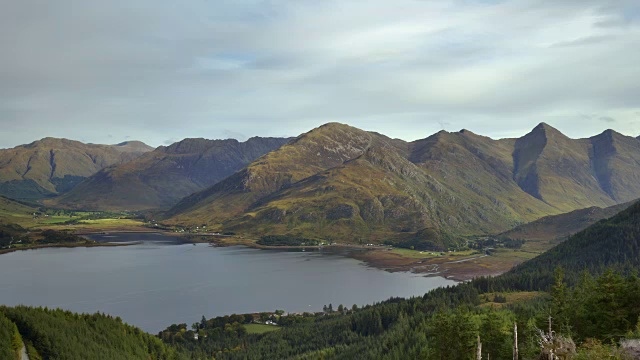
(337, 181)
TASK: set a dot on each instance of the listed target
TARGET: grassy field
(512, 298)
(260, 328)
(415, 254)
(100, 225)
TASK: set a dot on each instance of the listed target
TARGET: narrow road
(465, 260)
(23, 353)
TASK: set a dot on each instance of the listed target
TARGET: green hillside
(58, 334)
(10, 339)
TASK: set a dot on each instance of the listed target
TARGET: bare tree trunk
(479, 353)
(515, 341)
(551, 350)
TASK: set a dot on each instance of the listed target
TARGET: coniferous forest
(58, 334)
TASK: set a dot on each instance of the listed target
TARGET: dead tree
(515, 341)
(555, 347)
(479, 353)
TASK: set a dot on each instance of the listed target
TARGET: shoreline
(449, 267)
(62, 245)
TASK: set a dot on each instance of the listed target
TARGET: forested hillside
(10, 339)
(612, 243)
(58, 334)
(442, 325)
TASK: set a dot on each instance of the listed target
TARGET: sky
(160, 71)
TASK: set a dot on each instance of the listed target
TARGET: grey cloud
(156, 71)
(607, 119)
(589, 40)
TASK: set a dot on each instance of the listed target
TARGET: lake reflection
(156, 283)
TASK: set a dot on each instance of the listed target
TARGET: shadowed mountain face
(340, 182)
(164, 176)
(568, 174)
(52, 166)
(556, 228)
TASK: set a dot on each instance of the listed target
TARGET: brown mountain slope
(340, 182)
(50, 166)
(162, 177)
(480, 171)
(322, 148)
(379, 195)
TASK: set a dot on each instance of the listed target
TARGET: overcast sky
(159, 71)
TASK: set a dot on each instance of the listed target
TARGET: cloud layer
(101, 71)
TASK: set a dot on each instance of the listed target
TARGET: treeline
(58, 334)
(12, 235)
(445, 324)
(59, 237)
(10, 339)
(98, 215)
(225, 333)
(286, 240)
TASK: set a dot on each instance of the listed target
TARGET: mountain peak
(49, 141)
(546, 131)
(609, 133)
(133, 146)
(333, 126)
(544, 127)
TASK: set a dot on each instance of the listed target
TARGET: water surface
(159, 282)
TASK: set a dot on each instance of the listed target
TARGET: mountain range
(338, 182)
(52, 166)
(160, 178)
